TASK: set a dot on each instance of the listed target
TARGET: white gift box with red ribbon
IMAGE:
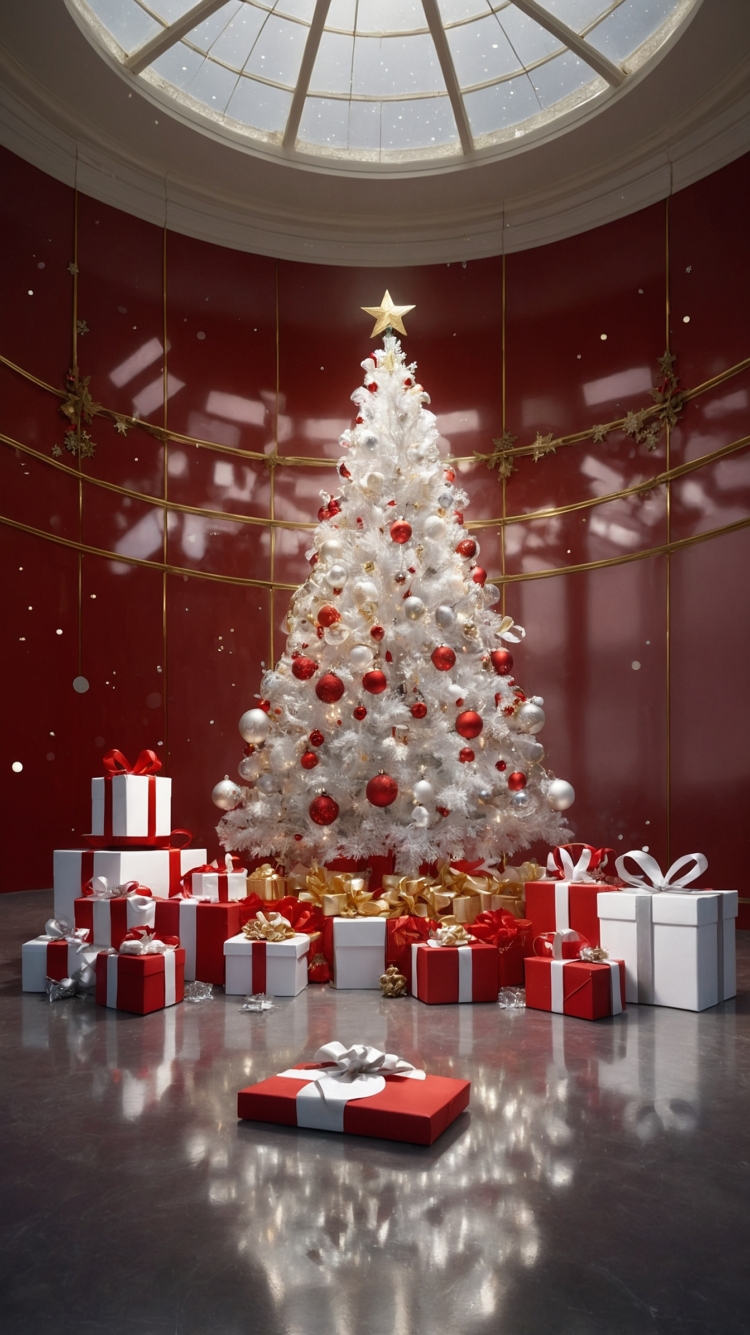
(111, 911)
(131, 801)
(278, 968)
(677, 943)
(220, 885)
(161, 869)
(35, 959)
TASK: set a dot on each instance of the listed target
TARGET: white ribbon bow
(60, 930)
(101, 889)
(358, 1071)
(658, 882)
(578, 872)
(148, 944)
(507, 630)
(557, 942)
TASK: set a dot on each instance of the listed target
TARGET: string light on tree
(442, 760)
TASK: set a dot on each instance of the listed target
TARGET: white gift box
(210, 885)
(34, 962)
(101, 916)
(130, 806)
(678, 948)
(285, 966)
(158, 868)
(358, 953)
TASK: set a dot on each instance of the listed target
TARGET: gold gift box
(491, 903)
(266, 884)
(466, 908)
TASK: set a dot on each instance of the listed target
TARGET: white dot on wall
(603, 337)
(58, 632)
(30, 293)
(635, 665)
(644, 848)
(40, 265)
(16, 767)
(92, 595)
(686, 319)
(200, 334)
(50, 755)
(619, 836)
(80, 684)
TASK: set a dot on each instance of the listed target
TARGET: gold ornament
(386, 315)
(393, 983)
(369, 567)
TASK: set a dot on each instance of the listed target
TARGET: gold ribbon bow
(360, 904)
(452, 933)
(511, 880)
(409, 895)
(266, 882)
(593, 954)
(268, 928)
(332, 892)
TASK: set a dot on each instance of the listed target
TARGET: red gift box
(400, 935)
(555, 906)
(582, 988)
(443, 975)
(140, 983)
(202, 928)
(415, 1111)
(512, 937)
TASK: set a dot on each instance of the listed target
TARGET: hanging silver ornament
(420, 817)
(445, 617)
(268, 783)
(529, 718)
(226, 795)
(331, 549)
(445, 500)
(490, 595)
(434, 528)
(414, 608)
(360, 657)
(370, 442)
(530, 750)
(520, 801)
(336, 576)
(248, 768)
(484, 796)
(254, 726)
(560, 795)
(424, 792)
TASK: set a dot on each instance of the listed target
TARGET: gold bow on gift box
(463, 892)
(339, 894)
(268, 928)
(506, 889)
(452, 933)
(360, 904)
(266, 883)
(415, 896)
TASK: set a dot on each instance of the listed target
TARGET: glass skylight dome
(380, 83)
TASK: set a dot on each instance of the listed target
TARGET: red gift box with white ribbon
(358, 1091)
(111, 911)
(451, 974)
(146, 974)
(568, 900)
(570, 977)
(202, 929)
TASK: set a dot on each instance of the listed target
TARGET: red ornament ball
(323, 810)
(309, 760)
(449, 475)
(467, 547)
(381, 790)
(316, 737)
(458, 516)
(516, 781)
(502, 661)
(328, 616)
(465, 755)
(377, 632)
(388, 656)
(304, 668)
(373, 387)
(501, 765)
(330, 688)
(359, 713)
(479, 575)
(469, 724)
(344, 471)
(443, 811)
(374, 682)
(419, 709)
(265, 705)
(400, 531)
(443, 658)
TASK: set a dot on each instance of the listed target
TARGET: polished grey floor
(599, 1184)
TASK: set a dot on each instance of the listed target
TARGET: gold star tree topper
(387, 315)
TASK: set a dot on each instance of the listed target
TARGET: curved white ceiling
(679, 112)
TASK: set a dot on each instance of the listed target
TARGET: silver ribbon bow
(654, 881)
(58, 929)
(148, 944)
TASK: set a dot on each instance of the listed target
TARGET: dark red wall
(173, 660)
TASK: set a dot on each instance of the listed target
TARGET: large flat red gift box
(587, 987)
(438, 979)
(415, 1111)
(556, 906)
(141, 981)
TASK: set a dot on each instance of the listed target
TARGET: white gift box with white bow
(678, 944)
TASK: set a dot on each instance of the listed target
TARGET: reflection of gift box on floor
(140, 983)
(52, 957)
(449, 974)
(161, 869)
(557, 906)
(109, 920)
(587, 990)
(356, 948)
(678, 948)
(202, 929)
(413, 1110)
(278, 968)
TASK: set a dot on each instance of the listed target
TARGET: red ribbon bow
(116, 763)
(498, 928)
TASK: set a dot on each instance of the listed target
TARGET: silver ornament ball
(445, 500)
(254, 726)
(445, 617)
(360, 657)
(370, 442)
(560, 795)
(226, 795)
(414, 608)
(268, 783)
(336, 576)
(424, 791)
(484, 796)
(530, 718)
(420, 817)
(520, 801)
(331, 549)
(248, 768)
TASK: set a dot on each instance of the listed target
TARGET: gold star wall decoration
(387, 315)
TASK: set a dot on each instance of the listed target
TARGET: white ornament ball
(445, 617)
(268, 783)
(248, 768)
(434, 528)
(490, 595)
(530, 718)
(254, 726)
(365, 592)
(331, 549)
(560, 795)
(337, 633)
(360, 657)
(530, 750)
(417, 453)
(282, 756)
(226, 795)
(373, 483)
(336, 576)
(414, 608)
(520, 801)
(423, 791)
(420, 817)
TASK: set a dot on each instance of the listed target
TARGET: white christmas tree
(392, 721)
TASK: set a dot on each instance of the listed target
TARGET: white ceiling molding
(690, 117)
